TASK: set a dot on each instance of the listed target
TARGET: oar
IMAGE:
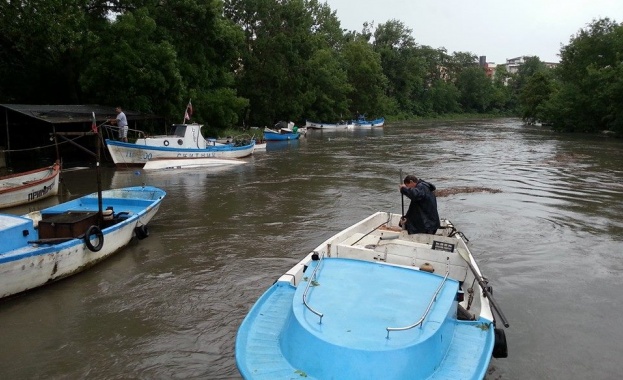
(402, 195)
(483, 286)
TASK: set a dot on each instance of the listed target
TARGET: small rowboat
(59, 241)
(28, 187)
(373, 302)
(282, 134)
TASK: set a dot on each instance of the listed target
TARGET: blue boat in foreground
(62, 240)
(373, 302)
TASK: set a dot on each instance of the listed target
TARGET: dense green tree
(404, 69)
(365, 73)
(133, 69)
(589, 96)
(501, 97)
(42, 45)
(457, 62)
(443, 98)
(526, 70)
(287, 70)
(328, 88)
(534, 94)
(475, 89)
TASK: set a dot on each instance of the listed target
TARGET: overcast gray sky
(497, 29)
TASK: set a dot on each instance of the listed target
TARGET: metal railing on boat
(311, 279)
(420, 322)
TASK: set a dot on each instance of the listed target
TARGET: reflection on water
(547, 234)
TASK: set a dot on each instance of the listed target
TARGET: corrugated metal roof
(58, 114)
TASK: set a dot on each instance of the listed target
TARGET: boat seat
(400, 252)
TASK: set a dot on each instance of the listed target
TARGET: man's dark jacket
(422, 216)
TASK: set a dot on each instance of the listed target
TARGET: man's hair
(410, 178)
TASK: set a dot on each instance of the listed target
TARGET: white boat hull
(188, 163)
(29, 187)
(314, 125)
(38, 262)
(138, 155)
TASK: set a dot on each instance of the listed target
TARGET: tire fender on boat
(166, 142)
(94, 230)
(141, 232)
(500, 348)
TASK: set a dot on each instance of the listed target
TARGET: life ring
(166, 142)
(94, 230)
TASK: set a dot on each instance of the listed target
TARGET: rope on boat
(389, 217)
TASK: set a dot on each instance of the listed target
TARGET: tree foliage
(588, 96)
(256, 62)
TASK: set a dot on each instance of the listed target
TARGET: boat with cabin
(183, 141)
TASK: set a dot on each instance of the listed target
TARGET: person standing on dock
(122, 123)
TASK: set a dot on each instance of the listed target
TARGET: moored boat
(189, 163)
(56, 242)
(184, 141)
(317, 125)
(284, 131)
(373, 302)
(361, 122)
(31, 186)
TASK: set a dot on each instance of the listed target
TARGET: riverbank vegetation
(245, 62)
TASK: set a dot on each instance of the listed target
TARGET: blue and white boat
(59, 241)
(184, 141)
(282, 134)
(361, 122)
(373, 302)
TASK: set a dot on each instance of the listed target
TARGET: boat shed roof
(61, 114)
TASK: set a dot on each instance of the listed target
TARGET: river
(542, 212)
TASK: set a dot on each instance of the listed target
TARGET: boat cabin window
(178, 130)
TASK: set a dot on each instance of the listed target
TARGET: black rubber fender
(141, 232)
(500, 348)
(94, 230)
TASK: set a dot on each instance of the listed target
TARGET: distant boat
(188, 163)
(59, 241)
(284, 132)
(363, 123)
(30, 186)
(317, 125)
(373, 302)
(260, 145)
(184, 141)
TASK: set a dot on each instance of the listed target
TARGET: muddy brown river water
(542, 211)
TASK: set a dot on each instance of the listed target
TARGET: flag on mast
(189, 111)
(93, 124)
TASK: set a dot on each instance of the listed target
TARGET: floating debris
(465, 189)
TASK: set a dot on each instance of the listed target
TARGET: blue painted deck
(281, 339)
